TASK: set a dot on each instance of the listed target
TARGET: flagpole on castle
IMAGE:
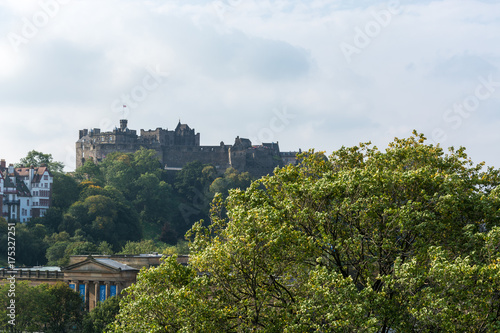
(123, 111)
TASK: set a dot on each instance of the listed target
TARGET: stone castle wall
(176, 148)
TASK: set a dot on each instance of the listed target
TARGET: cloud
(233, 63)
(61, 73)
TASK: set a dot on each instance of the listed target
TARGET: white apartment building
(25, 192)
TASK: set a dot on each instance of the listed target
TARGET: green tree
(52, 309)
(172, 299)
(231, 179)
(30, 247)
(36, 159)
(90, 171)
(105, 248)
(154, 201)
(63, 309)
(29, 312)
(363, 241)
(64, 191)
(141, 247)
(102, 315)
(192, 184)
(104, 215)
(194, 179)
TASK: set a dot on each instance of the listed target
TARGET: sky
(316, 74)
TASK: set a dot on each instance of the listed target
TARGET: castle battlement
(175, 148)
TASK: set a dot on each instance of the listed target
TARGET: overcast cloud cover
(308, 74)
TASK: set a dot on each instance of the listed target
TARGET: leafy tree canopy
(51, 309)
(366, 240)
(36, 159)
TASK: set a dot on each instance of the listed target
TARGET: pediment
(90, 267)
(98, 265)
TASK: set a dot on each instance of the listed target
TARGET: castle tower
(123, 124)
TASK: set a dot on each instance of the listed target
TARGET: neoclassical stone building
(95, 278)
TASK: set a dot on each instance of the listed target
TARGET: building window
(102, 293)
(81, 289)
(112, 291)
(46, 177)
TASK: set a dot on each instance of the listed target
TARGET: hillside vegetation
(126, 204)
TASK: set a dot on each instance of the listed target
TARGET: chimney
(2, 163)
(123, 124)
(31, 176)
(11, 168)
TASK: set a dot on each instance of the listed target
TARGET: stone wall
(176, 148)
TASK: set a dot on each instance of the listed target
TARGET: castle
(175, 148)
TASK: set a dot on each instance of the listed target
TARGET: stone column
(87, 303)
(96, 293)
(107, 289)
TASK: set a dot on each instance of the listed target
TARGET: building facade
(175, 148)
(24, 192)
(95, 278)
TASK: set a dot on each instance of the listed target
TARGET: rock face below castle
(176, 148)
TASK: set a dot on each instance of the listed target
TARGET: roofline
(93, 260)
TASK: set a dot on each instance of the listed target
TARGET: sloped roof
(110, 264)
(37, 174)
(22, 189)
(8, 183)
(182, 127)
(115, 264)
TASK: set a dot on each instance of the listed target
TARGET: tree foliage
(102, 315)
(231, 179)
(55, 308)
(402, 240)
(36, 159)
